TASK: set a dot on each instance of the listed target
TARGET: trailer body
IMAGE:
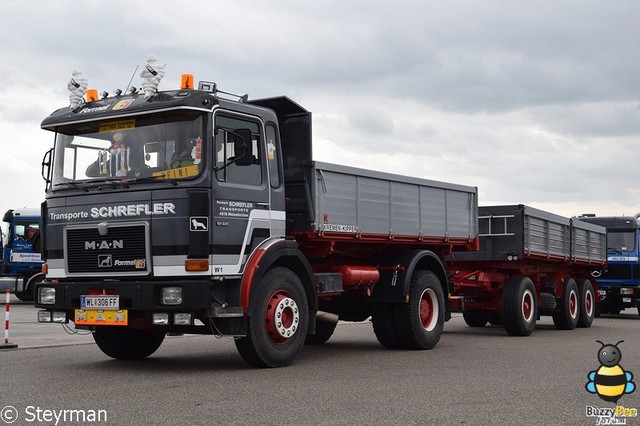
(535, 257)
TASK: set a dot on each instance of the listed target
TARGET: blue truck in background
(619, 283)
(21, 266)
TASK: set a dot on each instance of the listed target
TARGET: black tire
(420, 321)
(383, 322)
(269, 342)
(568, 310)
(475, 317)
(24, 296)
(494, 318)
(324, 331)
(587, 303)
(519, 309)
(29, 294)
(126, 343)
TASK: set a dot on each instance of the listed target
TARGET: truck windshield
(621, 241)
(166, 145)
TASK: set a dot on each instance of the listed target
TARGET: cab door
(241, 196)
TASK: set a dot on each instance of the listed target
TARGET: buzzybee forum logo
(610, 382)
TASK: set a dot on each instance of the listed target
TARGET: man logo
(104, 261)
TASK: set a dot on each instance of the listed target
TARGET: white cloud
(534, 103)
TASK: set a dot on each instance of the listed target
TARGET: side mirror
(46, 166)
(242, 147)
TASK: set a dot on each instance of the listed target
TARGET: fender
(394, 287)
(282, 252)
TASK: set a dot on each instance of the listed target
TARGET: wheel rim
(527, 306)
(429, 309)
(281, 317)
(573, 304)
(588, 303)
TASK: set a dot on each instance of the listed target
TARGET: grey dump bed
(517, 232)
(332, 198)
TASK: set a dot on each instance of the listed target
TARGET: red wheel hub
(527, 306)
(573, 304)
(281, 317)
(429, 309)
(588, 303)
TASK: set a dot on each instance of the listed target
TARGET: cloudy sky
(534, 102)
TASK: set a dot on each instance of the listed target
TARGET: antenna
(132, 75)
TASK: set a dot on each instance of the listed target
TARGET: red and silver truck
(530, 263)
(184, 211)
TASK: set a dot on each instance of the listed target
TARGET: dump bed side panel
(366, 202)
(588, 242)
(516, 232)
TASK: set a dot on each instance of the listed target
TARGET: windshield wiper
(154, 179)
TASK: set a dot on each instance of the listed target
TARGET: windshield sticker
(178, 173)
(112, 126)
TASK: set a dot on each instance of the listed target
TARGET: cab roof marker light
(151, 73)
(92, 95)
(78, 87)
(186, 82)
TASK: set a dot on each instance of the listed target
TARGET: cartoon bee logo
(610, 381)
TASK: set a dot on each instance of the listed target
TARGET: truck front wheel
(277, 326)
(566, 318)
(519, 306)
(420, 321)
(126, 343)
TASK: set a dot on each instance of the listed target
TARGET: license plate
(102, 302)
(100, 317)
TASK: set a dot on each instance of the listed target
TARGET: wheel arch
(389, 291)
(273, 253)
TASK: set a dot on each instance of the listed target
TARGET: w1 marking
(198, 223)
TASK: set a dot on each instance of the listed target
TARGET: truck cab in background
(21, 265)
(619, 283)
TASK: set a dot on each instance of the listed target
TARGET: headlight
(47, 295)
(171, 296)
(160, 319)
(182, 319)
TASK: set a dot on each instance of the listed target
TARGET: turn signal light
(196, 265)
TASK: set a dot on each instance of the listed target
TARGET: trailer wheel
(324, 331)
(587, 303)
(566, 318)
(420, 321)
(475, 317)
(126, 343)
(277, 327)
(519, 306)
(383, 322)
